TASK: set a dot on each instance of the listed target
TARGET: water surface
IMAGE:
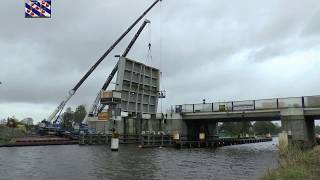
(248, 161)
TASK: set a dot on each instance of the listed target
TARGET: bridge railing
(311, 101)
(265, 104)
(290, 102)
(261, 104)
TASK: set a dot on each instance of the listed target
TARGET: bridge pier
(195, 127)
(301, 127)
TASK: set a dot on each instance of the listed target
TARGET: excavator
(46, 124)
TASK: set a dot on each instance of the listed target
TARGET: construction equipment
(59, 109)
(94, 110)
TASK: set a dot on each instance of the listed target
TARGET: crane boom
(94, 107)
(76, 87)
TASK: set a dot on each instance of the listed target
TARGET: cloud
(312, 26)
(219, 50)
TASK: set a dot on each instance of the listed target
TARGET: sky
(218, 50)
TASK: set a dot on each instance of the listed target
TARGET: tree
(67, 118)
(245, 127)
(229, 128)
(236, 128)
(27, 121)
(3, 121)
(317, 129)
(264, 127)
(80, 114)
(12, 123)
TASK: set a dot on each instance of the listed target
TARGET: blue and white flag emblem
(38, 9)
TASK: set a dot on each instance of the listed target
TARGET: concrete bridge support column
(175, 124)
(302, 128)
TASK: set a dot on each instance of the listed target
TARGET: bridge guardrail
(247, 105)
(266, 104)
(290, 102)
(311, 101)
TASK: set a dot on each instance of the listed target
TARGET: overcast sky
(214, 49)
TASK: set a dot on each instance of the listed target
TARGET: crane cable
(160, 54)
(149, 54)
(160, 40)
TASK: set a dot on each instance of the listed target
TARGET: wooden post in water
(107, 138)
(161, 139)
(90, 139)
(142, 140)
(99, 139)
(81, 140)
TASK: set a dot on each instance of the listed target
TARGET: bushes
(6, 134)
(295, 163)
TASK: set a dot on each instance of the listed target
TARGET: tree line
(69, 117)
(247, 127)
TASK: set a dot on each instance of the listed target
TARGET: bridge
(297, 115)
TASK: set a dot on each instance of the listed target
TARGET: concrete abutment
(300, 127)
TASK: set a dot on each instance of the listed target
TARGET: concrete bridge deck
(297, 115)
(254, 115)
(252, 110)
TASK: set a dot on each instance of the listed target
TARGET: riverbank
(17, 137)
(39, 141)
(7, 134)
(296, 164)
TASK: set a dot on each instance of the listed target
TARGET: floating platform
(39, 141)
(154, 141)
(220, 142)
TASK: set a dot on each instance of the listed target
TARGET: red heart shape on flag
(37, 8)
(43, 11)
(47, 5)
(32, 14)
(28, 11)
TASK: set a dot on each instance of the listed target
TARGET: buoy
(114, 144)
(114, 141)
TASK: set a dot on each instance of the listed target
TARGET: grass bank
(296, 164)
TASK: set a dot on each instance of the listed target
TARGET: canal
(247, 161)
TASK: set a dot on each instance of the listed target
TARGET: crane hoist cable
(162, 89)
(149, 54)
(160, 39)
(76, 87)
(94, 108)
